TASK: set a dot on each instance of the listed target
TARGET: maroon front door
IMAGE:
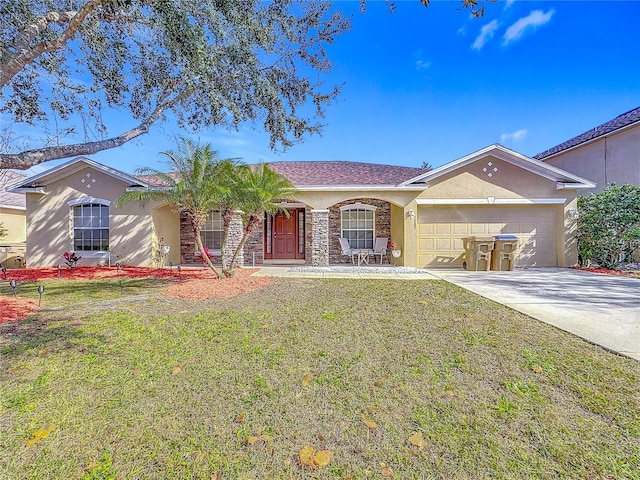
(285, 234)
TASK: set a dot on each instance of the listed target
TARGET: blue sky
(433, 84)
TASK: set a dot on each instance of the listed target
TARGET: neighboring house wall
(611, 159)
(49, 221)
(15, 221)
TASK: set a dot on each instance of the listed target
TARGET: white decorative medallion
(490, 169)
(88, 180)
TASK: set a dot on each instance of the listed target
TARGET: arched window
(358, 225)
(90, 224)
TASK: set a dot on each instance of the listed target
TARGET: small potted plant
(395, 252)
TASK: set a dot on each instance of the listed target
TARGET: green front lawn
(117, 381)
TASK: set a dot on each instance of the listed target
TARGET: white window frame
(366, 208)
(89, 201)
(203, 230)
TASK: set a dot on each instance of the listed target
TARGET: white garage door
(441, 229)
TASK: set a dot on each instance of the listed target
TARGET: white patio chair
(380, 247)
(346, 249)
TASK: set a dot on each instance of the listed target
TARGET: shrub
(71, 259)
(3, 231)
(609, 225)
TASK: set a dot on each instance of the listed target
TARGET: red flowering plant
(209, 254)
(391, 245)
(71, 259)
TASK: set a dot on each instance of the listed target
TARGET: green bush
(3, 231)
(609, 226)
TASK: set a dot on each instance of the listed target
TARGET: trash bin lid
(506, 237)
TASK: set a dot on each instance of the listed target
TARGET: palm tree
(197, 183)
(256, 191)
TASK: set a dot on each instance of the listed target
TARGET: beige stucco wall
(15, 221)
(320, 200)
(166, 225)
(49, 220)
(611, 159)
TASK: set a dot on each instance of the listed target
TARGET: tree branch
(26, 53)
(29, 158)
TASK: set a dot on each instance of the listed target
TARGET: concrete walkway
(603, 309)
(387, 272)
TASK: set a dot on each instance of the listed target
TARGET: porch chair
(380, 247)
(346, 249)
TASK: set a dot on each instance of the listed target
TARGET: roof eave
(337, 188)
(581, 144)
(98, 166)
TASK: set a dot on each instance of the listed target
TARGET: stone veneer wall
(236, 230)
(319, 238)
(187, 242)
(382, 225)
(255, 244)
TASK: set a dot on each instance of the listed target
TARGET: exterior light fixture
(13, 284)
(40, 292)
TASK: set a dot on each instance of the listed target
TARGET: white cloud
(535, 19)
(513, 137)
(486, 33)
(508, 3)
(422, 64)
(462, 30)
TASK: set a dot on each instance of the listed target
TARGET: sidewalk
(339, 271)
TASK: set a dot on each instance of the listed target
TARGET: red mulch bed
(88, 273)
(621, 273)
(16, 308)
(192, 284)
(206, 288)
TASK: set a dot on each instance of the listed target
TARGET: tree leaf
(323, 457)
(306, 456)
(176, 370)
(306, 379)
(385, 470)
(369, 423)
(417, 440)
(40, 434)
(240, 417)
(251, 440)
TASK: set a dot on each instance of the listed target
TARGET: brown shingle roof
(621, 121)
(7, 179)
(344, 173)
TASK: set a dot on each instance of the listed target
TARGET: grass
(137, 385)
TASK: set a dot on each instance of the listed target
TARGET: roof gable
(564, 179)
(625, 120)
(8, 199)
(65, 169)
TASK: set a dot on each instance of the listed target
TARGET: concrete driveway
(603, 309)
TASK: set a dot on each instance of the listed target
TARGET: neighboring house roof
(8, 199)
(564, 179)
(338, 173)
(625, 120)
(37, 182)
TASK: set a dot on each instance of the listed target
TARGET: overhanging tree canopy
(66, 66)
(208, 62)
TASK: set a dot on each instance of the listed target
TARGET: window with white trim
(358, 225)
(211, 231)
(90, 227)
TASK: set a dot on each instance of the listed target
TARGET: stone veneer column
(320, 238)
(236, 229)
